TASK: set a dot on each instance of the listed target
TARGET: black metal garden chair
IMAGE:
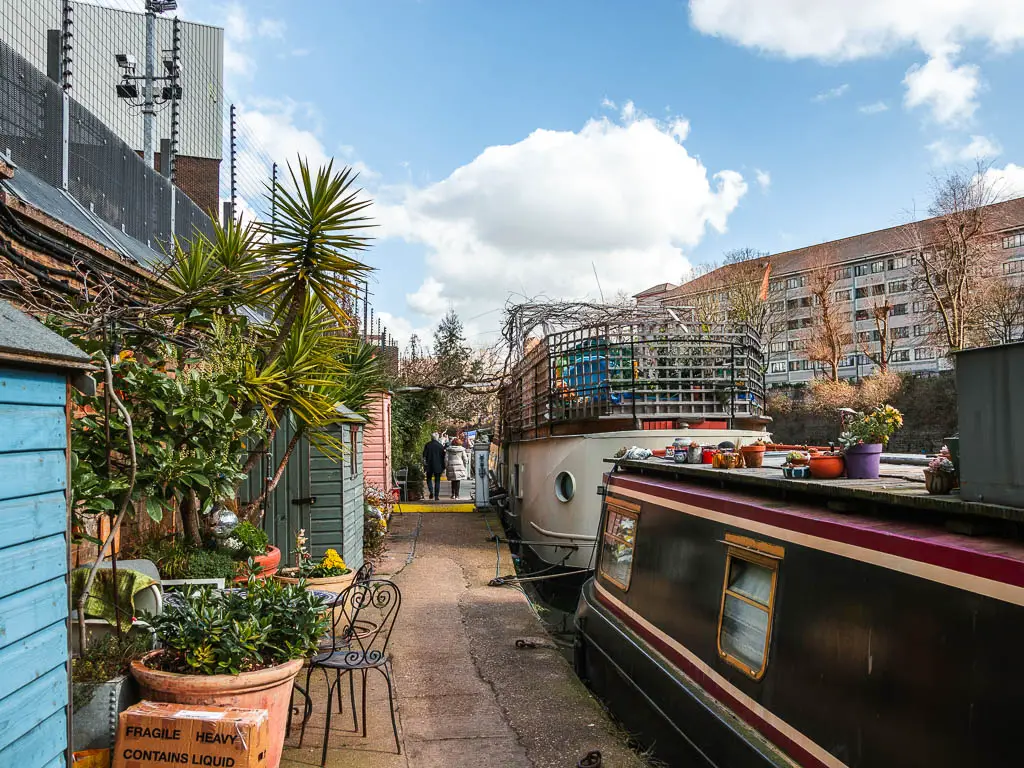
(363, 619)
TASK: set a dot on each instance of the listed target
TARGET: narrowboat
(736, 618)
(617, 377)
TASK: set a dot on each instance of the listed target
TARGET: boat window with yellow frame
(748, 603)
(618, 540)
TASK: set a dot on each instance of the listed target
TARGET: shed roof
(24, 339)
(348, 415)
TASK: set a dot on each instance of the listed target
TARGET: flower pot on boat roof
(219, 649)
(864, 438)
(826, 466)
(753, 455)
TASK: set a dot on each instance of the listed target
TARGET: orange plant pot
(753, 455)
(826, 466)
(269, 689)
(268, 562)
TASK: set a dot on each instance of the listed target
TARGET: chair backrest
(365, 572)
(364, 616)
(402, 474)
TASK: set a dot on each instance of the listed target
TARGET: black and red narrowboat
(739, 619)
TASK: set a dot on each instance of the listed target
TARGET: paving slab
(465, 695)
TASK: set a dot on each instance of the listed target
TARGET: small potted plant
(102, 688)
(249, 542)
(328, 574)
(865, 437)
(753, 454)
(826, 466)
(940, 474)
(235, 647)
(797, 458)
(693, 453)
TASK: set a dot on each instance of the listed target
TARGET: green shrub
(177, 559)
(211, 564)
(212, 632)
(108, 657)
(254, 540)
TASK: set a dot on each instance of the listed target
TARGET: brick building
(871, 270)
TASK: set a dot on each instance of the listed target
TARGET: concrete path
(466, 695)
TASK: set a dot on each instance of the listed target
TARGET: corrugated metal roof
(25, 337)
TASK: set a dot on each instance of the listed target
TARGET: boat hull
(662, 708)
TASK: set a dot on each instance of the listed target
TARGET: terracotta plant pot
(753, 455)
(269, 689)
(938, 483)
(826, 466)
(268, 562)
(336, 584)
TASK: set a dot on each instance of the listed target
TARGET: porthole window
(565, 486)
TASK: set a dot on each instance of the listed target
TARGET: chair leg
(327, 725)
(386, 671)
(309, 707)
(352, 699)
(340, 710)
(364, 702)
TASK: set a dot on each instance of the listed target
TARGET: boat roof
(892, 515)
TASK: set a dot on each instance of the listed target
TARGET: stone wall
(928, 404)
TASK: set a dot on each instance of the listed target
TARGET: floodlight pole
(148, 105)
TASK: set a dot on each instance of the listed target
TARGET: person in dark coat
(433, 465)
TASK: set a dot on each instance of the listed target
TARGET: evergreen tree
(451, 350)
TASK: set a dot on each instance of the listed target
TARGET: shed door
(34, 605)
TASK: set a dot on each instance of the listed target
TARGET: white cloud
(844, 30)
(978, 148)
(764, 179)
(831, 93)
(950, 91)
(539, 216)
(1007, 182)
(607, 103)
(271, 28)
(873, 109)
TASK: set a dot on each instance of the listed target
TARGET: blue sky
(669, 132)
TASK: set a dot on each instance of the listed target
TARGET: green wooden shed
(37, 368)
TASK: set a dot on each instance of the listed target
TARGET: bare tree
(954, 254)
(1001, 318)
(879, 350)
(828, 341)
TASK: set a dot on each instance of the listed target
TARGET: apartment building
(870, 271)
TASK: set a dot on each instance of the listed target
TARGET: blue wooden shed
(37, 368)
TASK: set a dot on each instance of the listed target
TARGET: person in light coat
(455, 467)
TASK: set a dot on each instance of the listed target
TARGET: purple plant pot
(862, 461)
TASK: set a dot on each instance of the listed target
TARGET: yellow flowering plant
(875, 427)
(331, 564)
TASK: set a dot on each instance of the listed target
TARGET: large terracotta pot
(826, 466)
(335, 584)
(269, 689)
(268, 562)
(753, 455)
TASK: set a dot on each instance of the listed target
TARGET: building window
(618, 542)
(924, 353)
(861, 293)
(797, 344)
(898, 309)
(796, 282)
(861, 269)
(898, 286)
(842, 273)
(779, 367)
(843, 295)
(779, 327)
(801, 303)
(862, 314)
(866, 336)
(903, 332)
(799, 365)
(924, 330)
(877, 266)
(900, 356)
(878, 290)
(778, 346)
(1014, 241)
(848, 362)
(777, 306)
(748, 602)
(775, 286)
(1013, 267)
(898, 262)
(919, 306)
(353, 452)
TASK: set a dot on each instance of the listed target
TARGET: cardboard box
(154, 734)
